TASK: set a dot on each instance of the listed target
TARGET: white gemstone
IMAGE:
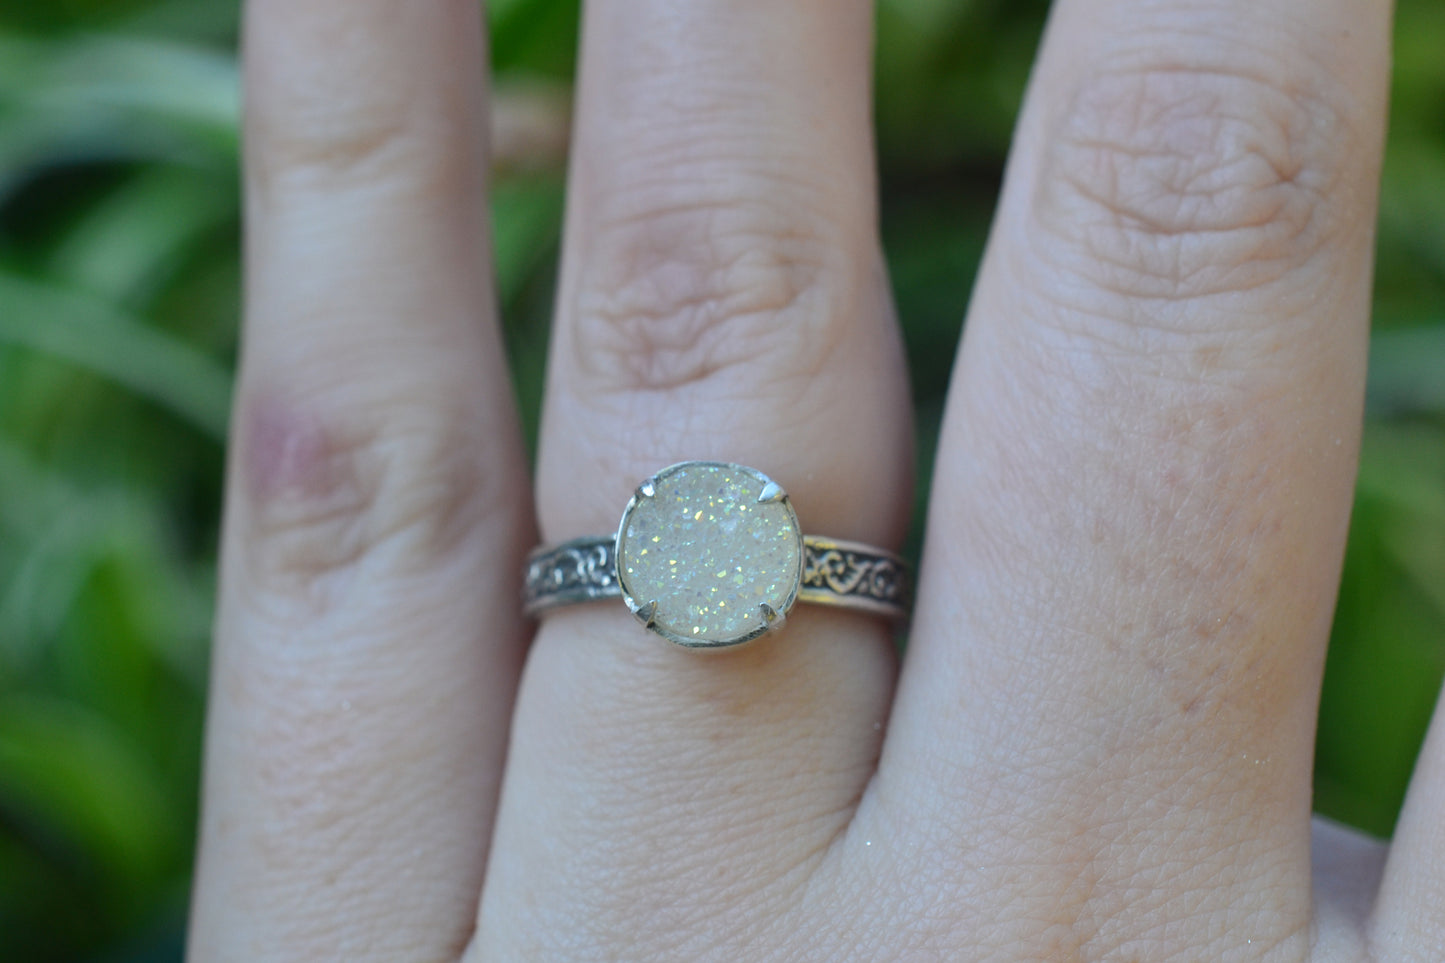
(709, 553)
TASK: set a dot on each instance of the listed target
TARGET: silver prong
(646, 614)
(772, 492)
(646, 490)
(772, 618)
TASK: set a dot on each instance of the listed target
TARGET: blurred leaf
(1418, 76)
(1407, 372)
(47, 566)
(1410, 268)
(949, 79)
(215, 21)
(55, 537)
(534, 36)
(526, 222)
(165, 944)
(127, 245)
(79, 780)
(33, 496)
(88, 332)
(1403, 469)
(1387, 651)
(112, 98)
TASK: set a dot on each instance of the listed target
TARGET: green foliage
(119, 286)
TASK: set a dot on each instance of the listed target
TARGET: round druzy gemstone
(709, 553)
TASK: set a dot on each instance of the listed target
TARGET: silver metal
(645, 613)
(582, 570)
(833, 572)
(856, 576)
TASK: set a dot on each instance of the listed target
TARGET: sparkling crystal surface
(709, 553)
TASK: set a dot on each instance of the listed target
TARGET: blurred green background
(119, 282)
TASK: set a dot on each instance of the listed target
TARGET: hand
(1099, 744)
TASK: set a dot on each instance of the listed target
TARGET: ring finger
(722, 298)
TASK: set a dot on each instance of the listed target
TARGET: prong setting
(646, 613)
(772, 492)
(646, 490)
(772, 618)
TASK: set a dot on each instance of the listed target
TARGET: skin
(1098, 746)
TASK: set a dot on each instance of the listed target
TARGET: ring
(710, 555)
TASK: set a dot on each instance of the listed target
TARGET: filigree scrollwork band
(846, 573)
(834, 573)
(577, 571)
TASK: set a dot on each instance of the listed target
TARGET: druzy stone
(709, 553)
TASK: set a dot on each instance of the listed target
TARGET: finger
(722, 298)
(1145, 475)
(1346, 877)
(377, 508)
(1408, 924)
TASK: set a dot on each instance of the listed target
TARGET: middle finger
(722, 298)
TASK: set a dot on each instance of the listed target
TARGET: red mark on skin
(286, 452)
(306, 518)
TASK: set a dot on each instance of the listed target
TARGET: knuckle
(374, 106)
(1184, 181)
(323, 137)
(677, 295)
(328, 149)
(328, 488)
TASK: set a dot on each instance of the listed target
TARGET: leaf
(526, 223)
(76, 778)
(114, 98)
(127, 245)
(1407, 371)
(93, 335)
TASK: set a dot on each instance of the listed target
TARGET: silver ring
(709, 555)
